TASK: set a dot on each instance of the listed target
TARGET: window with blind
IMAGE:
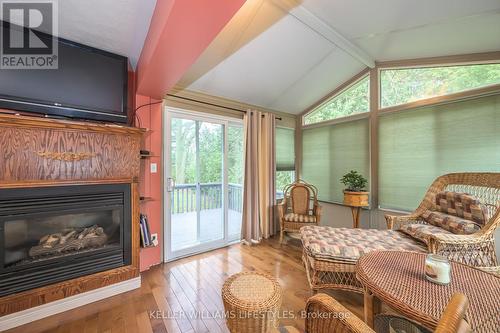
(285, 149)
(331, 151)
(419, 145)
(285, 158)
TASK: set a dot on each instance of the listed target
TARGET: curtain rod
(211, 104)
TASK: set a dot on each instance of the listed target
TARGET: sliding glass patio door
(203, 182)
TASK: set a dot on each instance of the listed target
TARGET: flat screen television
(88, 84)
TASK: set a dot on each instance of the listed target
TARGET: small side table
(356, 200)
(356, 212)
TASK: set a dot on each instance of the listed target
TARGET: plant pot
(356, 199)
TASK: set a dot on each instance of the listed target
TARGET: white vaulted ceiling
(118, 26)
(287, 55)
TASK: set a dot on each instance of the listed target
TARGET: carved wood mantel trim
(64, 156)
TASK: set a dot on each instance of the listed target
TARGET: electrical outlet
(154, 239)
(153, 167)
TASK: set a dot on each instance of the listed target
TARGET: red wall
(150, 117)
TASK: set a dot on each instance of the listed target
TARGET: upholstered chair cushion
(347, 245)
(301, 218)
(459, 213)
(451, 223)
(422, 231)
(462, 205)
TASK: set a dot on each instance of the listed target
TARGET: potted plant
(355, 193)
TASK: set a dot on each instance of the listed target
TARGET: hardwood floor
(172, 292)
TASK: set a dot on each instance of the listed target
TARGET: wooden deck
(191, 285)
(211, 227)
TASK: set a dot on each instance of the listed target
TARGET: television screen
(88, 84)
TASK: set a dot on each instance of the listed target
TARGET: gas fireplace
(52, 234)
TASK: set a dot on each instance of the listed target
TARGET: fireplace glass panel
(36, 238)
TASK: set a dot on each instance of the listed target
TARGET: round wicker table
(397, 279)
(252, 301)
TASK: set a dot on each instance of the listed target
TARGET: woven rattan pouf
(252, 302)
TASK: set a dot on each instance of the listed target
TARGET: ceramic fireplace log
(55, 244)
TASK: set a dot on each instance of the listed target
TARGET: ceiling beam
(179, 32)
(326, 31)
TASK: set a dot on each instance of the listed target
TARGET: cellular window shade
(419, 145)
(330, 152)
(285, 149)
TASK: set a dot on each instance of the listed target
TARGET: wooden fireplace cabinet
(40, 152)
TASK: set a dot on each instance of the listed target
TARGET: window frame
(376, 111)
(335, 93)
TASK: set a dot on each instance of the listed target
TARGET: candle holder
(437, 269)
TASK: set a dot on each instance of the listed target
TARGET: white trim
(442, 64)
(68, 303)
(339, 120)
(327, 32)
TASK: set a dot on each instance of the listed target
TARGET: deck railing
(184, 197)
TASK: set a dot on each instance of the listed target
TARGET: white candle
(437, 269)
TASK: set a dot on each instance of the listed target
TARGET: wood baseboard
(65, 304)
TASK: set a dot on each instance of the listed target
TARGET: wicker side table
(397, 279)
(252, 301)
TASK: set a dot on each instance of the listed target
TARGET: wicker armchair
(295, 210)
(325, 315)
(476, 249)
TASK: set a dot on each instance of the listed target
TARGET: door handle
(170, 184)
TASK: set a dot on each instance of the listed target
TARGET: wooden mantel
(36, 152)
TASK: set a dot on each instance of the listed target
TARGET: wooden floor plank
(192, 286)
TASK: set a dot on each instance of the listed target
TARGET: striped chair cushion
(347, 245)
(451, 223)
(421, 231)
(293, 217)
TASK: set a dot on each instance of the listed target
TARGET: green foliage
(211, 149)
(211, 152)
(354, 181)
(183, 148)
(399, 86)
(284, 178)
(356, 99)
(235, 154)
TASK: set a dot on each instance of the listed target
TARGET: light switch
(153, 168)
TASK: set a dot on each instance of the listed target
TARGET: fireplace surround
(48, 235)
(69, 212)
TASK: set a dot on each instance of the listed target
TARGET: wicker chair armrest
(281, 209)
(493, 270)
(325, 314)
(475, 250)
(394, 221)
(444, 238)
(317, 211)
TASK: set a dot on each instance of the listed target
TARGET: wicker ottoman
(252, 301)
